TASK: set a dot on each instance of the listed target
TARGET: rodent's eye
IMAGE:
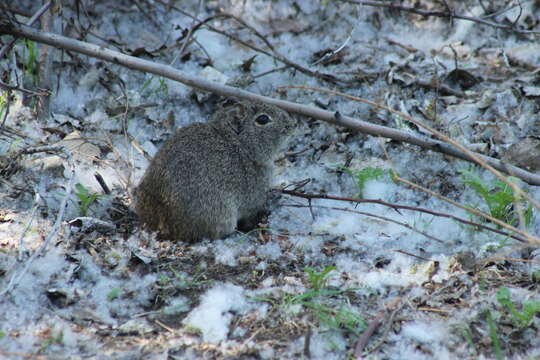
(263, 119)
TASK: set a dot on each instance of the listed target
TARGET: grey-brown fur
(210, 176)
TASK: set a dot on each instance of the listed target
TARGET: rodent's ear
(234, 115)
(263, 119)
(236, 125)
(229, 102)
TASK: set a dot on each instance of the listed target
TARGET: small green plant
(467, 334)
(316, 279)
(85, 198)
(163, 280)
(2, 334)
(400, 123)
(321, 301)
(430, 109)
(31, 61)
(147, 83)
(3, 103)
(290, 300)
(535, 276)
(364, 175)
(190, 329)
(522, 319)
(510, 310)
(53, 338)
(162, 87)
(114, 294)
(340, 318)
(492, 330)
(112, 258)
(192, 281)
(170, 281)
(15, 145)
(498, 196)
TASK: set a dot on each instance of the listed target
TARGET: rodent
(210, 177)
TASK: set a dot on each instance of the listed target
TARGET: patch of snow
(215, 311)
(270, 250)
(432, 332)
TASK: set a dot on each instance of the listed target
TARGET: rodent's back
(203, 180)
(188, 181)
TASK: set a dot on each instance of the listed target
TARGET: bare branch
(488, 163)
(274, 53)
(413, 208)
(384, 218)
(441, 14)
(30, 22)
(223, 90)
(23, 90)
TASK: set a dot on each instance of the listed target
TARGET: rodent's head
(257, 128)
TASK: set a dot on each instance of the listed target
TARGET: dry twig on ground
(397, 207)
(7, 27)
(443, 14)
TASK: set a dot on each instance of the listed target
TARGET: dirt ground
(321, 278)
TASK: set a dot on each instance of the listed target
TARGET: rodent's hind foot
(250, 223)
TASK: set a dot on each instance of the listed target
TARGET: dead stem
(482, 160)
(455, 149)
(444, 14)
(413, 208)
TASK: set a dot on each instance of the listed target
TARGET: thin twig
(367, 334)
(274, 53)
(514, 23)
(145, 13)
(396, 305)
(437, 86)
(393, 307)
(441, 14)
(281, 68)
(413, 208)
(45, 65)
(528, 237)
(7, 108)
(228, 91)
(23, 90)
(186, 42)
(495, 258)
(370, 215)
(476, 212)
(171, 330)
(334, 52)
(15, 11)
(503, 10)
(21, 250)
(484, 161)
(102, 183)
(13, 354)
(30, 22)
(7, 48)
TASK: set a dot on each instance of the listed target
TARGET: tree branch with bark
(7, 27)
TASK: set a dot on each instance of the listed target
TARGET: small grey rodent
(211, 176)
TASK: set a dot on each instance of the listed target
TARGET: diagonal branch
(474, 157)
(422, 210)
(442, 14)
(30, 22)
(170, 72)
